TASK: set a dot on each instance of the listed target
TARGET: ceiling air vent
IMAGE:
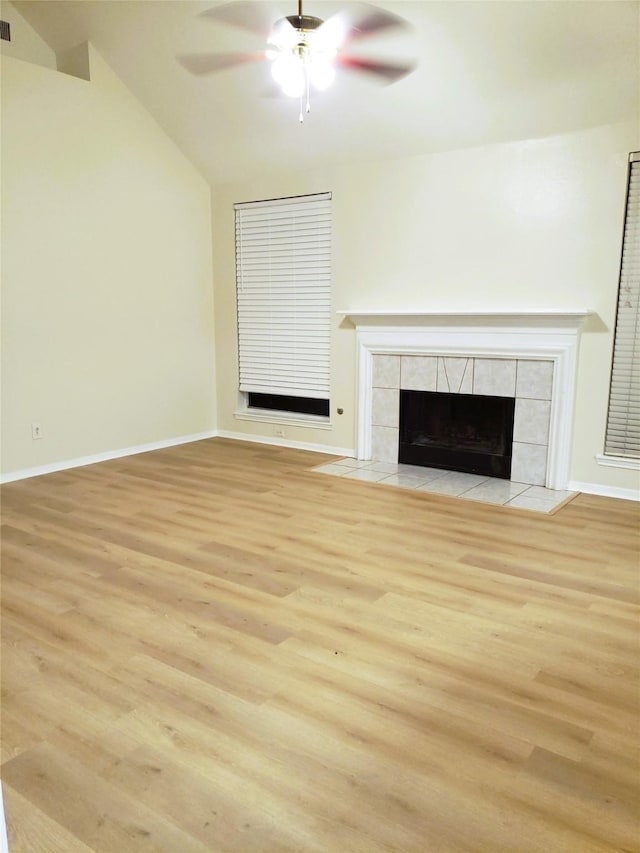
(5, 30)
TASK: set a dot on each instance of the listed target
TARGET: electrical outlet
(36, 431)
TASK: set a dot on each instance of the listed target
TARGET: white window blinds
(283, 278)
(623, 423)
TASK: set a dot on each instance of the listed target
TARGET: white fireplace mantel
(551, 336)
(501, 319)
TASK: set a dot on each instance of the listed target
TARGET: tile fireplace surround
(529, 356)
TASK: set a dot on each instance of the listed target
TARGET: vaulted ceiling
(486, 72)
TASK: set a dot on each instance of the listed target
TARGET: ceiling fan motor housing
(304, 23)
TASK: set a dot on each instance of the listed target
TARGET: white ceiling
(487, 72)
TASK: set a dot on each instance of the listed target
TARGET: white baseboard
(604, 491)
(277, 441)
(103, 457)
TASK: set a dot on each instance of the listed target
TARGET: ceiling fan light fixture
(283, 36)
(288, 70)
(302, 49)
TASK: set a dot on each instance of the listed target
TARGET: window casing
(283, 282)
(623, 421)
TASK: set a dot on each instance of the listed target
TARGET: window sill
(270, 416)
(618, 462)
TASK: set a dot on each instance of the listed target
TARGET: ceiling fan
(304, 50)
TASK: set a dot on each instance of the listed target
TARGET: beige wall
(25, 42)
(532, 225)
(108, 338)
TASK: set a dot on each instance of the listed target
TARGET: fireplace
(531, 356)
(459, 432)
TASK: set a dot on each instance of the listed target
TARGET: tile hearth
(473, 487)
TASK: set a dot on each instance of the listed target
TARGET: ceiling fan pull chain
(301, 116)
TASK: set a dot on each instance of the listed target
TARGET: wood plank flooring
(213, 648)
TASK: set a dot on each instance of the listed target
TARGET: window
(623, 422)
(283, 280)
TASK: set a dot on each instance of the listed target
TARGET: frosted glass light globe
(288, 72)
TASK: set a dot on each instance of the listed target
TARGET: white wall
(531, 225)
(108, 335)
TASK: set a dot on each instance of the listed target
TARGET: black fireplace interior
(460, 432)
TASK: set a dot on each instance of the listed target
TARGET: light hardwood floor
(213, 648)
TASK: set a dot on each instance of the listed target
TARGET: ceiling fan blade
(367, 21)
(387, 72)
(251, 15)
(210, 63)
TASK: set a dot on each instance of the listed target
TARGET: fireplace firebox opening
(459, 432)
